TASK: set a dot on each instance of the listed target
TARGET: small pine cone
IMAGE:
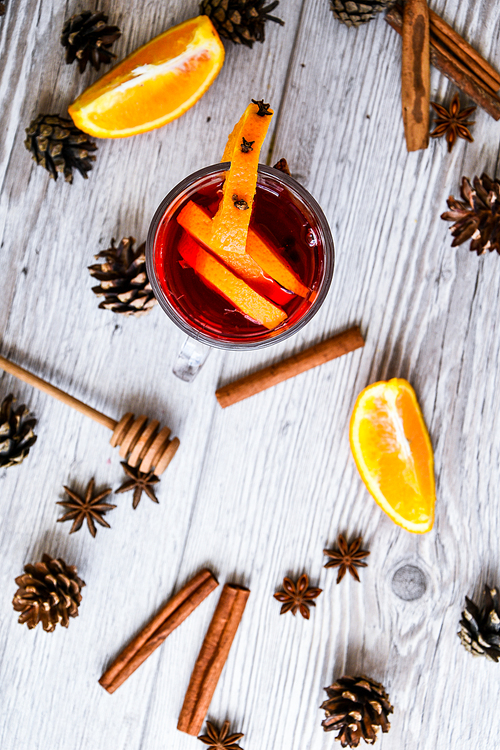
(356, 13)
(241, 21)
(49, 592)
(480, 628)
(2, 9)
(477, 217)
(59, 147)
(87, 38)
(123, 278)
(16, 433)
(357, 706)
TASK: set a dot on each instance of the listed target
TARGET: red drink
(281, 217)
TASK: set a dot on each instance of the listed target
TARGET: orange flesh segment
(154, 85)
(198, 222)
(393, 452)
(231, 223)
(234, 289)
(259, 259)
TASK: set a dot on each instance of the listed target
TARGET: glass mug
(298, 232)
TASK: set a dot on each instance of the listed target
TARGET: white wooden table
(258, 490)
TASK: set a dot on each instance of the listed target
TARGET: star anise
(347, 557)
(263, 108)
(453, 122)
(220, 740)
(86, 508)
(140, 482)
(297, 597)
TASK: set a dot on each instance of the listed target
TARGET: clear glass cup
(298, 227)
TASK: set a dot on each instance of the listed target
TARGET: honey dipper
(141, 444)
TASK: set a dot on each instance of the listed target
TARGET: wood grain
(243, 495)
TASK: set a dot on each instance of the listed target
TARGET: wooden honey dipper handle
(51, 390)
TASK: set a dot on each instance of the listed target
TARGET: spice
(177, 609)
(342, 343)
(140, 482)
(451, 66)
(415, 77)
(297, 597)
(240, 203)
(246, 146)
(452, 122)
(86, 508)
(282, 165)
(263, 108)
(220, 739)
(348, 557)
(355, 13)
(212, 657)
(477, 217)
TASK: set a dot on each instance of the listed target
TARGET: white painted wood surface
(255, 491)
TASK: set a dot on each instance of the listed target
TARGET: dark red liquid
(278, 216)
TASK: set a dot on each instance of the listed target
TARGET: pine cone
(49, 591)
(16, 433)
(124, 282)
(357, 706)
(2, 9)
(480, 631)
(87, 38)
(355, 13)
(241, 21)
(477, 216)
(56, 144)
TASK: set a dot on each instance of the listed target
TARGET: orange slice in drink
(230, 286)
(154, 85)
(198, 222)
(259, 262)
(393, 453)
(230, 223)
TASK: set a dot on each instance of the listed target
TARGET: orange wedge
(154, 85)
(226, 283)
(261, 263)
(233, 215)
(393, 453)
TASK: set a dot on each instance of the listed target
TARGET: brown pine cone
(16, 433)
(87, 38)
(124, 283)
(241, 21)
(358, 707)
(477, 217)
(49, 592)
(59, 147)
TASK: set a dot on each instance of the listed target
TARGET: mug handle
(190, 359)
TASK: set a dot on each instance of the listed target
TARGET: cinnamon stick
(415, 74)
(212, 657)
(177, 609)
(342, 343)
(464, 51)
(445, 62)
